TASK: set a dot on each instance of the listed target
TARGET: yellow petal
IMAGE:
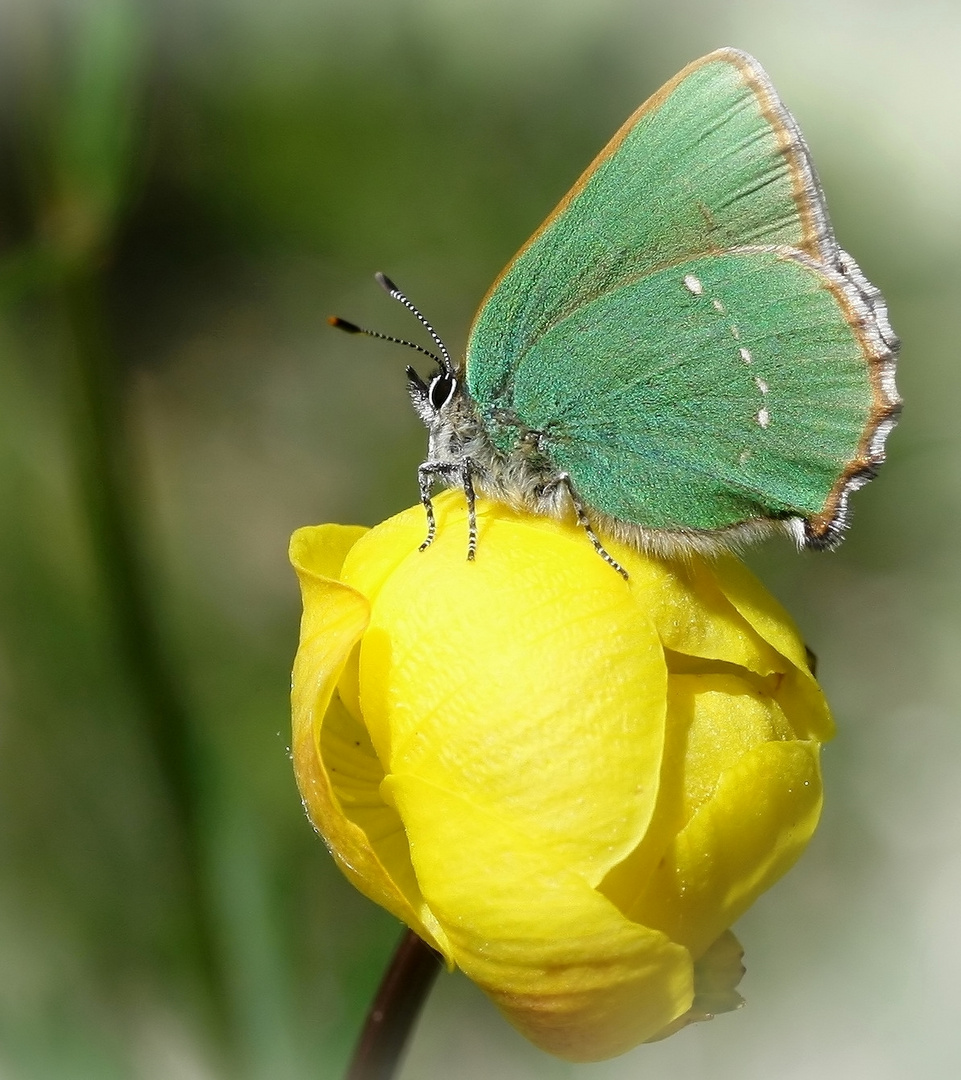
(335, 617)
(716, 719)
(712, 720)
(548, 714)
(736, 845)
(691, 613)
(356, 778)
(800, 696)
(804, 705)
(318, 553)
(760, 609)
(320, 550)
(563, 964)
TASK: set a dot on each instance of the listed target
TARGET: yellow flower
(568, 784)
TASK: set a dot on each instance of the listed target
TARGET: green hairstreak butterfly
(681, 353)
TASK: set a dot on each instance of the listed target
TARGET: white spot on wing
(735, 333)
(718, 306)
(763, 417)
(745, 355)
(762, 385)
(693, 285)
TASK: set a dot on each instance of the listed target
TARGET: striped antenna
(353, 328)
(395, 294)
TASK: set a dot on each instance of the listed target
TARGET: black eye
(442, 389)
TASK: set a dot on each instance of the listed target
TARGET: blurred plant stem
(396, 1006)
(105, 461)
(78, 138)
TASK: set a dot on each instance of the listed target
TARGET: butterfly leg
(585, 523)
(462, 471)
(471, 498)
(425, 476)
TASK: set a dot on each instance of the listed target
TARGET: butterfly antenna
(395, 294)
(352, 328)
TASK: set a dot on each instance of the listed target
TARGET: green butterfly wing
(744, 409)
(683, 332)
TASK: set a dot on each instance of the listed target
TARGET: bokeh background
(187, 189)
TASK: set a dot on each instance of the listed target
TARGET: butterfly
(681, 354)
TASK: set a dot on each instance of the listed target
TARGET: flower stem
(399, 998)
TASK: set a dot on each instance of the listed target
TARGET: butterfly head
(432, 399)
(440, 402)
(447, 412)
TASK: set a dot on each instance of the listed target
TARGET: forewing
(734, 387)
(712, 161)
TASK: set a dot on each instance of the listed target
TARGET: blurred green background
(187, 189)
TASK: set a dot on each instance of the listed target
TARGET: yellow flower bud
(569, 784)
